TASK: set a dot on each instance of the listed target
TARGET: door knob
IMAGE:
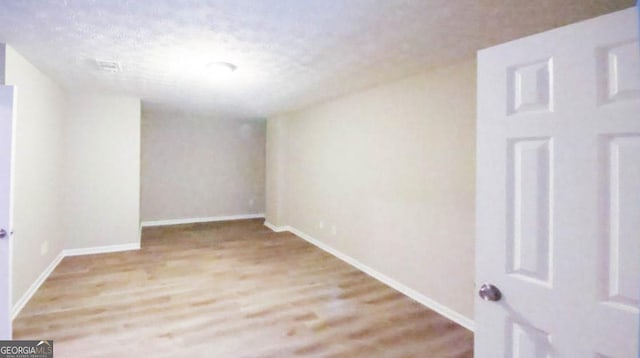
(489, 292)
(3, 233)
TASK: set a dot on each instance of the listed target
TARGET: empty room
(307, 178)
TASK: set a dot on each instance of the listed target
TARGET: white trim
(201, 220)
(411, 293)
(18, 306)
(101, 249)
(277, 228)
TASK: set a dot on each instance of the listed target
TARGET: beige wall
(276, 179)
(392, 170)
(102, 171)
(39, 122)
(201, 167)
(77, 171)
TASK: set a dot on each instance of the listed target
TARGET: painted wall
(77, 171)
(201, 167)
(276, 178)
(39, 122)
(386, 176)
(102, 171)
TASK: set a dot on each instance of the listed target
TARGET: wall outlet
(44, 248)
(251, 202)
(334, 230)
(321, 224)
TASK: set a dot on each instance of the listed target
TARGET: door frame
(8, 94)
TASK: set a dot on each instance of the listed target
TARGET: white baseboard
(277, 228)
(411, 293)
(101, 249)
(426, 301)
(18, 306)
(201, 220)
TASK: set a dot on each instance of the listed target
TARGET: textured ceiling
(289, 53)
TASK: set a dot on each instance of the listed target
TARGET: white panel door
(558, 203)
(6, 170)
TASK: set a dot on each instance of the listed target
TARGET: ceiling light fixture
(221, 68)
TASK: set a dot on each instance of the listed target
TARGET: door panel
(558, 201)
(530, 87)
(529, 197)
(623, 262)
(528, 342)
(619, 72)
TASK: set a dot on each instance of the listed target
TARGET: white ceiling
(289, 53)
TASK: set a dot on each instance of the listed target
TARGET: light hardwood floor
(230, 289)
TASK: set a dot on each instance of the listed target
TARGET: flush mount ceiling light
(221, 68)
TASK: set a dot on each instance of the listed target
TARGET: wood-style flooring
(229, 289)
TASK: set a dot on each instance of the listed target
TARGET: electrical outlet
(251, 202)
(334, 230)
(44, 248)
(321, 224)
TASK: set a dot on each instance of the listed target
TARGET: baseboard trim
(101, 249)
(26, 297)
(18, 306)
(411, 293)
(201, 220)
(276, 228)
